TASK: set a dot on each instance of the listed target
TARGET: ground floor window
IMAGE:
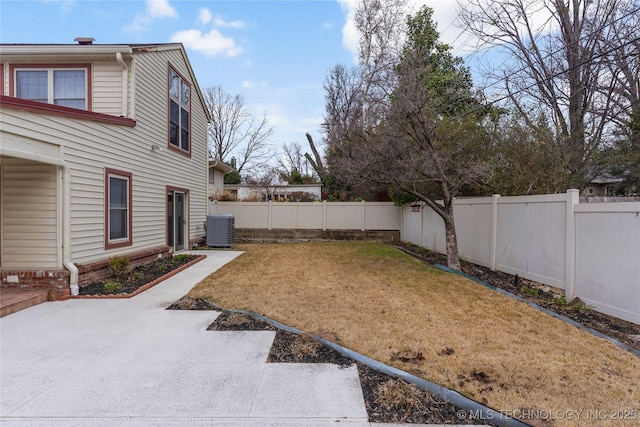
(118, 208)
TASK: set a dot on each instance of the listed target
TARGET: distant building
(284, 192)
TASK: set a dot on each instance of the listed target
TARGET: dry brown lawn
(382, 303)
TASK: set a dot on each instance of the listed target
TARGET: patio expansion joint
(9, 419)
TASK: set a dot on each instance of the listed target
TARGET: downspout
(66, 245)
(125, 84)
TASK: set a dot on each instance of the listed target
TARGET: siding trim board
(58, 110)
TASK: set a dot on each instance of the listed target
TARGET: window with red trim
(66, 86)
(118, 208)
(179, 111)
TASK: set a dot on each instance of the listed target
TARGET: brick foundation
(57, 281)
(97, 271)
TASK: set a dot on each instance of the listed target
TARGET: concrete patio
(130, 362)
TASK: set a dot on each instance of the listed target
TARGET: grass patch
(378, 301)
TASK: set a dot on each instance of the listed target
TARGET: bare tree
(316, 162)
(381, 25)
(234, 131)
(620, 48)
(293, 164)
(422, 143)
(267, 180)
(556, 63)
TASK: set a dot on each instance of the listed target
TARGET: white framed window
(179, 111)
(67, 87)
(117, 208)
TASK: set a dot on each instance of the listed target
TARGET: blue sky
(275, 52)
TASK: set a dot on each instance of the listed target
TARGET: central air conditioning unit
(220, 230)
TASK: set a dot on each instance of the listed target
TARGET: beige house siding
(170, 167)
(29, 221)
(107, 88)
(90, 147)
(53, 165)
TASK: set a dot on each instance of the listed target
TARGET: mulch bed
(141, 278)
(542, 295)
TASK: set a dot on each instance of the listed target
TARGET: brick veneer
(97, 271)
(58, 280)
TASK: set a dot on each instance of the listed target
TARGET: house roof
(73, 51)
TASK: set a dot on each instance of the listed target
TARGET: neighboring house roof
(221, 166)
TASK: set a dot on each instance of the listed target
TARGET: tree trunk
(453, 258)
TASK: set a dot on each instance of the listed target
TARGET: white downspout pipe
(125, 84)
(66, 210)
(66, 228)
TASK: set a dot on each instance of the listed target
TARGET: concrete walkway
(130, 362)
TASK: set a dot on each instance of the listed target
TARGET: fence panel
(474, 229)
(382, 216)
(345, 216)
(247, 215)
(296, 216)
(531, 238)
(608, 258)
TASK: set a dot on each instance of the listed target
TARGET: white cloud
(209, 44)
(349, 33)
(160, 9)
(155, 9)
(219, 22)
(204, 17)
(253, 84)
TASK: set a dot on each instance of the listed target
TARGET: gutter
(66, 214)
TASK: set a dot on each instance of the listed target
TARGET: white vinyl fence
(362, 216)
(589, 250)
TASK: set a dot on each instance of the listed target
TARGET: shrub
(111, 286)
(119, 267)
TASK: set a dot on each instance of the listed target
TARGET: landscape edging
(469, 406)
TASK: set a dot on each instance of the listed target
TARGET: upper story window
(67, 87)
(179, 111)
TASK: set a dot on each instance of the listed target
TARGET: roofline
(58, 49)
(221, 166)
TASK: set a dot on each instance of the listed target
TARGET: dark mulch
(139, 276)
(544, 296)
